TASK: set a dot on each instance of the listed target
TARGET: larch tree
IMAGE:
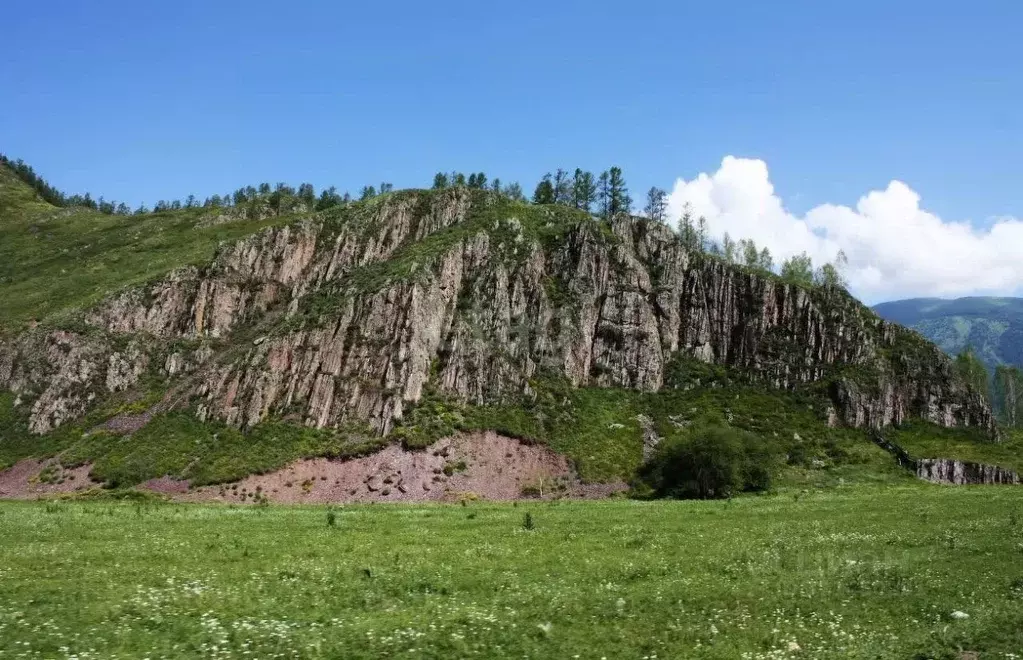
(728, 248)
(604, 194)
(656, 204)
(562, 187)
(687, 229)
(584, 190)
(832, 275)
(748, 253)
(798, 269)
(702, 233)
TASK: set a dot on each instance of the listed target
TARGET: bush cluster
(710, 461)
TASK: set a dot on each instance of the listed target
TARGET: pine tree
(307, 194)
(367, 192)
(765, 262)
(687, 231)
(440, 181)
(328, 199)
(481, 180)
(618, 195)
(495, 185)
(604, 194)
(544, 193)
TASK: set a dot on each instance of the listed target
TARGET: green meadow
(896, 571)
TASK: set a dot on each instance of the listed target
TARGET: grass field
(856, 572)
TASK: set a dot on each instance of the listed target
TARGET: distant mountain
(993, 326)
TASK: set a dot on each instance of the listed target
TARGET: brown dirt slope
(472, 465)
(30, 478)
(465, 466)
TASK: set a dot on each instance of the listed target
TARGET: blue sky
(142, 101)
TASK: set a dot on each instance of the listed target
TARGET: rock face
(348, 317)
(949, 471)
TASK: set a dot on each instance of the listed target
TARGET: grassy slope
(930, 441)
(599, 430)
(56, 260)
(854, 573)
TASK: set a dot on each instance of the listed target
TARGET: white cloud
(895, 248)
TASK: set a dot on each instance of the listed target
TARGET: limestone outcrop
(960, 473)
(348, 317)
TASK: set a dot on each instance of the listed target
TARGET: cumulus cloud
(895, 248)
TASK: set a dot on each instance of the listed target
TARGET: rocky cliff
(962, 473)
(348, 315)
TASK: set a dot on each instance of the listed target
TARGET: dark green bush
(711, 461)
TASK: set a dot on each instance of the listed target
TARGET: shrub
(527, 521)
(711, 461)
(451, 468)
(530, 490)
(331, 517)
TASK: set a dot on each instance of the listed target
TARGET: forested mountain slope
(992, 326)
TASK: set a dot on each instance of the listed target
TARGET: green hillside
(992, 326)
(57, 262)
(54, 260)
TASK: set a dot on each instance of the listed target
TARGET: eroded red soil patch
(32, 478)
(474, 465)
(466, 466)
